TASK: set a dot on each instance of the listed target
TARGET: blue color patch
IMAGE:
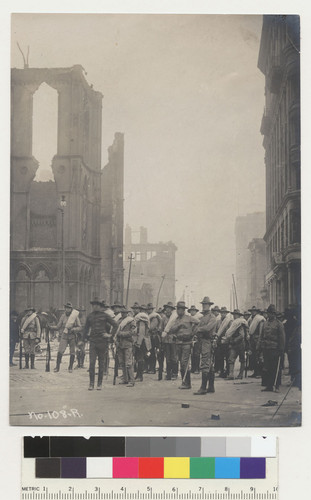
(227, 468)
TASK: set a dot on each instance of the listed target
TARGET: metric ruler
(149, 489)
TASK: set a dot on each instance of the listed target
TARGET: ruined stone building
(279, 61)
(56, 225)
(247, 228)
(151, 261)
(111, 233)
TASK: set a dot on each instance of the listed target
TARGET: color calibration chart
(149, 468)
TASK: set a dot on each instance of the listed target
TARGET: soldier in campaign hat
(155, 337)
(125, 335)
(30, 333)
(205, 332)
(182, 330)
(168, 342)
(142, 342)
(195, 357)
(272, 344)
(255, 323)
(68, 325)
(216, 311)
(222, 351)
(236, 339)
(100, 327)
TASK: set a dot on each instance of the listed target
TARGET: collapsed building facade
(152, 277)
(56, 225)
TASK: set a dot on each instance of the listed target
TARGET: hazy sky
(186, 92)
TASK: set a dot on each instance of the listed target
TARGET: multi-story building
(279, 61)
(256, 269)
(56, 225)
(247, 227)
(152, 277)
(111, 230)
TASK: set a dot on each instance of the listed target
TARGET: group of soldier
(186, 339)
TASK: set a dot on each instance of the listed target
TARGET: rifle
(48, 352)
(246, 363)
(160, 356)
(116, 366)
(20, 350)
(188, 364)
(213, 357)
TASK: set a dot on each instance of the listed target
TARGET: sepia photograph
(155, 220)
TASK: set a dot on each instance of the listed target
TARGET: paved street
(41, 398)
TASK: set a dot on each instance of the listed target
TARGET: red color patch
(151, 467)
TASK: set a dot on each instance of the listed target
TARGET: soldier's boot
(92, 380)
(174, 370)
(32, 361)
(78, 360)
(231, 372)
(182, 374)
(82, 359)
(160, 372)
(192, 363)
(187, 381)
(100, 380)
(242, 368)
(145, 365)
(130, 375)
(196, 364)
(211, 379)
(124, 375)
(58, 362)
(140, 368)
(26, 361)
(202, 389)
(71, 361)
(168, 371)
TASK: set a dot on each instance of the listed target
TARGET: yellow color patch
(176, 467)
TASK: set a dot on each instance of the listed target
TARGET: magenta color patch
(125, 467)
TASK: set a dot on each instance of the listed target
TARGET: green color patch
(202, 468)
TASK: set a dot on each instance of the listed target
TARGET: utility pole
(63, 204)
(131, 258)
(162, 281)
(234, 287)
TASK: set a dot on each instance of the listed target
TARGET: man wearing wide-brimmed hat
(117, 308)
(142, 342)
(195, 357)
(255, 328)
(100, 327)
(236, 338)
(169, 343)
(155, 336)
(222, 351)
(182, 330)
(30, 333)
(272, 343)
(68, 325)
(216, 311)
(125, 337)
(205, 332)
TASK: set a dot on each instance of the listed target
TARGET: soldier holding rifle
(30, 333)
(205, 332)
(100, 327)
(125, 338)
(182, 331)
(68, 325)
(271, 344)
